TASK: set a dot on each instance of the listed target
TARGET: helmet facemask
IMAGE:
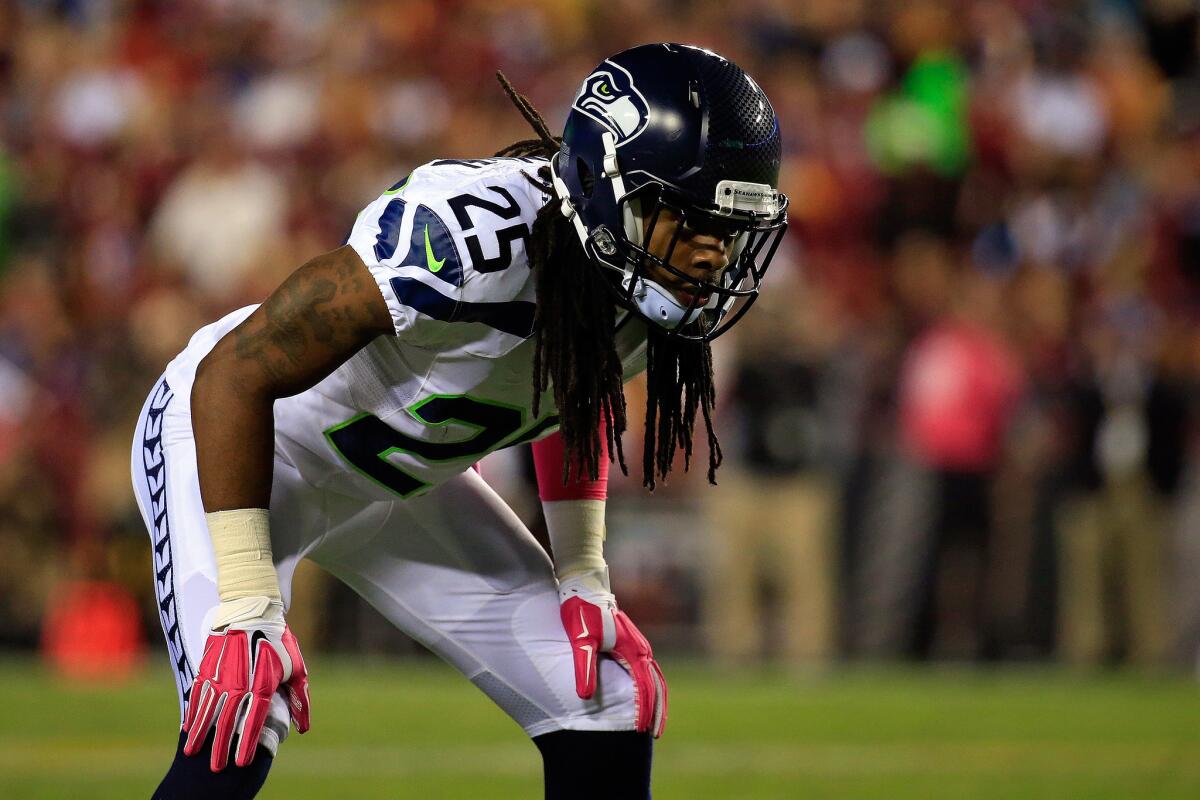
(709, 307)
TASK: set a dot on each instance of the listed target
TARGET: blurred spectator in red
(958, 390)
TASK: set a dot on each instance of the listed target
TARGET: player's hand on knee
(595, 625)
(250, 654)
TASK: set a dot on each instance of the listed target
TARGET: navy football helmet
(676, 129)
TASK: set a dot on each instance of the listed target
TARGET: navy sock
(189, 777)
(596, 764)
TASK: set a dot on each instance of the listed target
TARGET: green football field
(417, 730)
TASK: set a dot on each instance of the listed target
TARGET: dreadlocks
(576, 353)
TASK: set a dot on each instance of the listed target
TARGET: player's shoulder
(458, 218)
(449, 243)
(482, 211)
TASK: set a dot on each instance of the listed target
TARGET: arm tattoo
(322, 312)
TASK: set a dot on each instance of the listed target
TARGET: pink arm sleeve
(548, 455)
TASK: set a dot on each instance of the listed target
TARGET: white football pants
(455, 569)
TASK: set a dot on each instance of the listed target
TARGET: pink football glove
(595, 625)
(253, 655)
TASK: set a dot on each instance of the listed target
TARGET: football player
(477, 304)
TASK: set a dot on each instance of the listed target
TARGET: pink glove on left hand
(595, 625)
(243, 666)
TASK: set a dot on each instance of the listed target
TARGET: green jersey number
(365, 441)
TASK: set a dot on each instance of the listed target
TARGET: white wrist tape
(577, 531)
(242, 546)
(262, 613)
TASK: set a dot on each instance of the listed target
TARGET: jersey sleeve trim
(514, 317)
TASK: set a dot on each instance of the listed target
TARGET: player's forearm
(574, 510)
(234, 428)
(576, 529)
(234, 432)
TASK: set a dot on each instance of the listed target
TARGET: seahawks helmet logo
(609, 97)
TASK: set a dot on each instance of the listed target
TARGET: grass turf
(417, 730)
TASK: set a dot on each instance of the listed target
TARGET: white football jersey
(448, 248)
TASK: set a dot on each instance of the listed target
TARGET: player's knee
(570, 758)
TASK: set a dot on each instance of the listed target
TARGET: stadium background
(960, 428)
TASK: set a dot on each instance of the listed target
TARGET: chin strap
(659, 304)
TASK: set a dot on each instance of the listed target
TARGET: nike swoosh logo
(434, 264)
(583, 622)
(255, 638)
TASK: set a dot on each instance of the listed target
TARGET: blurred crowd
(960, 423)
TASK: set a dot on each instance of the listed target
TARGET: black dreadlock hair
(576, 352)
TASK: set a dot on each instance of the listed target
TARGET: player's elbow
(220, 375)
